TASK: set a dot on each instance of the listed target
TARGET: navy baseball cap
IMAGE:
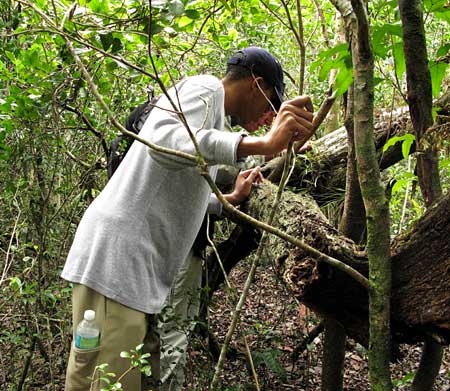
(262, 64)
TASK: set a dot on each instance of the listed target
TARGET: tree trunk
(429, 366)
(333, 356)
(420, 105)
(375, 202)
(419, 95)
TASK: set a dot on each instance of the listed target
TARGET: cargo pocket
(81, 369)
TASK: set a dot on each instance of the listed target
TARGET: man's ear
(258, 83)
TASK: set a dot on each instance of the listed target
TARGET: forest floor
(274, 325)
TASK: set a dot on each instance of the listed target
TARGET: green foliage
(439, 8)
(407, 141)
(111, 381)
(438, 71)
(405, 380)
(269, 359)
(337, 58)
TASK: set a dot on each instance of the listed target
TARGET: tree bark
(419, 95)
(420, 105)
(333, 356)
(429, 366)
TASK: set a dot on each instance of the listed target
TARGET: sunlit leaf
(406, 145)
(99, 6)
(407, 141)
(343, 80)
(184, 21)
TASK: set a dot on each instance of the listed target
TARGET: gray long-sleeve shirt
(139, 230)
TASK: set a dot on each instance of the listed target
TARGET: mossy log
(421, 268)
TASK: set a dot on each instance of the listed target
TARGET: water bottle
(87, 335)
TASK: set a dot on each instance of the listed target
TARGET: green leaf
(434, 5)
(437, 71)
(379, 35)
(16, 284)
(377, 80)
(407, 141)
(343, 80)
(435, 112)
(398, 185)
(343, 47)
(155, 28)
(233, 34)
(106, 40)
(443, 14)
(125, 354)
(99, 6)
(5, 74)
(111, 65)
(192, 14)
(184, 21)
(406, 145)
(399, 55)
(443, 50)
(117, 45)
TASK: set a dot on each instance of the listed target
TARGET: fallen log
(421, 268)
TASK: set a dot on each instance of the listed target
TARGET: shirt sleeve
(214, 205)
(203, 108)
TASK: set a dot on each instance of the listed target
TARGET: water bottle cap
(89, 314)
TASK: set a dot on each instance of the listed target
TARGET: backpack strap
(122, 143)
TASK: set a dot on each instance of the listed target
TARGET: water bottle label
(86, 343)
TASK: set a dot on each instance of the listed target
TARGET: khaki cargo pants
(121, 329)
(177, 321)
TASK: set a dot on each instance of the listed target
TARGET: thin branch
(200, 160)
(302, 48)
(7, 264)
(84, 43)
(291, 25)
(323, 22)
(197, 37)
(278, 17)
(89, 126)
(98, 97)
(77, 160)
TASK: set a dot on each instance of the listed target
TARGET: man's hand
(293, 123)
(243, 185)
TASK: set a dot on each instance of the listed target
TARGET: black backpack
(122, 143)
